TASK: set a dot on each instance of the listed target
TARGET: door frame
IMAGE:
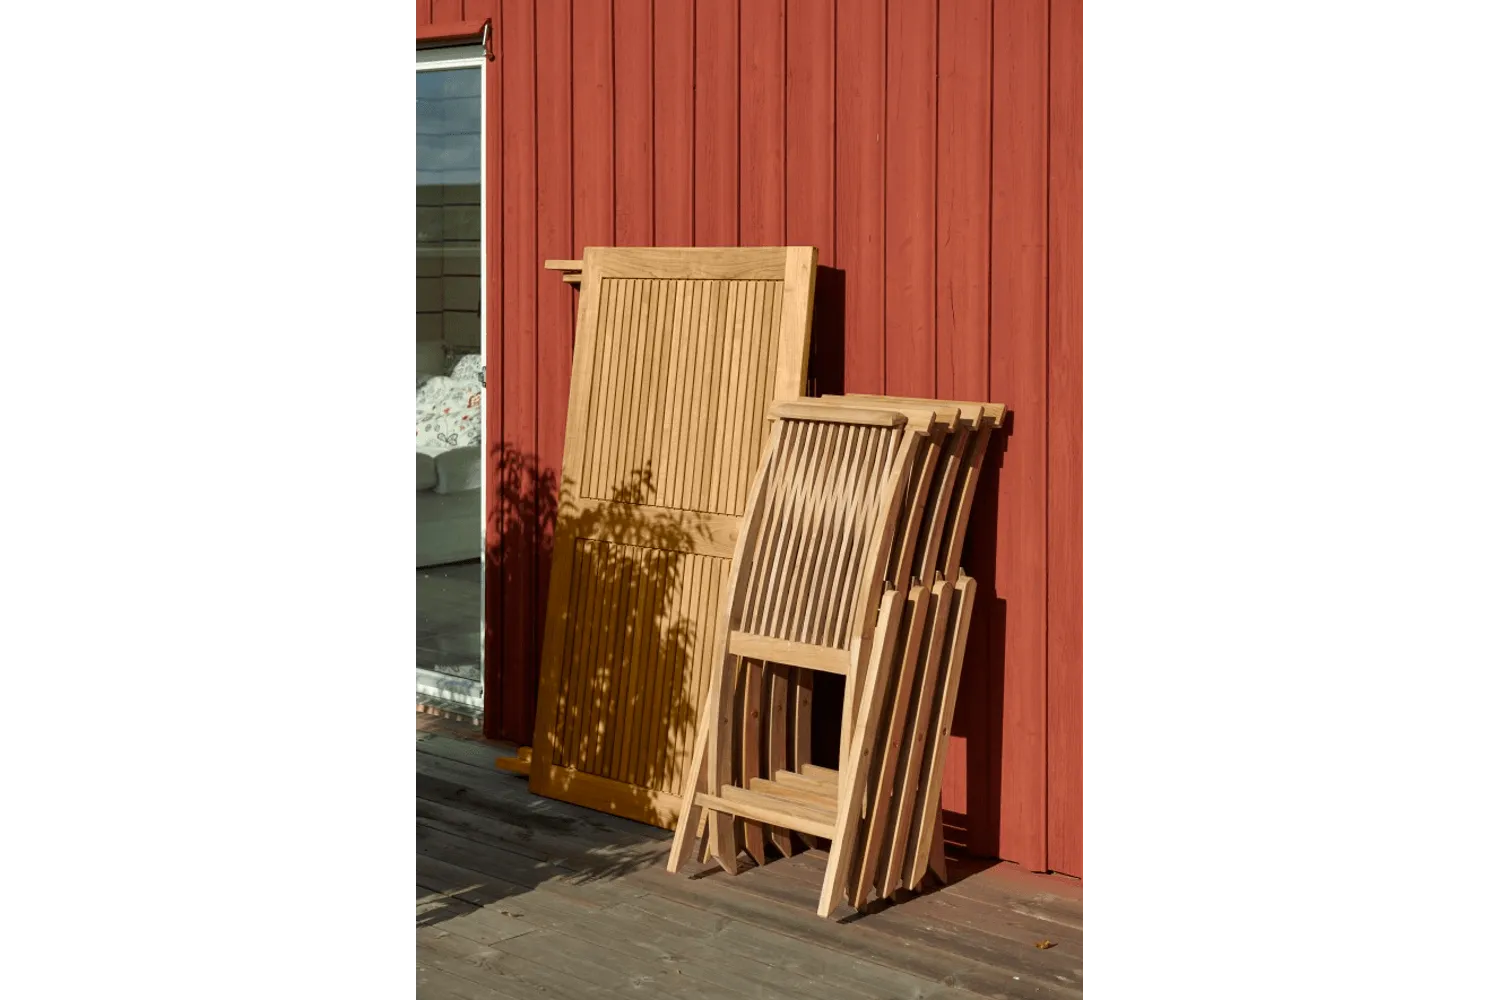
(444, 55)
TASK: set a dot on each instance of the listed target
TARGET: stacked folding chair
(847, 563)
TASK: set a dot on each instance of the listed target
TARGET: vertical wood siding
(932, 151)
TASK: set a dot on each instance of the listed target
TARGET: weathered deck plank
(997, 890)
(512, 976)
(817, 966)
(433, 983)
(998, 916)
(611, 972)
(560, 849)
(896, 948)
(446, 783)
(520, 896)
(480, 924)
(480, 774)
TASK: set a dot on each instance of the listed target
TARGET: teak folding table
(677, 356)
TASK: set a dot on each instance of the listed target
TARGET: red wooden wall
(932, 151)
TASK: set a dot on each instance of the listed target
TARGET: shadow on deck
(520, 896)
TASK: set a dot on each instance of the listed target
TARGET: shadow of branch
(630, 676)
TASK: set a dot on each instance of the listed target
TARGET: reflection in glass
(450, 413)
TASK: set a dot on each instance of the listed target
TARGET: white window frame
(451, 57)
(439, 57)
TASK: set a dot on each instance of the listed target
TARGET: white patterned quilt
(449, 410)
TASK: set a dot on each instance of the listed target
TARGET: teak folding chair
(901, 837)
(806, 589)
(930, 533)
(783, 704)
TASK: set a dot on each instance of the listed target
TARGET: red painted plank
(763, 123)
(453, 18)
(810, 179)
(593, 125)
(809, 130)
(961, 337)
(1018, 377)
(1065, 443)
(447, 11)
(962, 329)
(672, 148)
(514, 463)
(956, 769)
(554, 221)
(635, 214)
(859, 159)
(716, 125)
(910, 200)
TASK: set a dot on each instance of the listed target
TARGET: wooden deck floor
(521, 897)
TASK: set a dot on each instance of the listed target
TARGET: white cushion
(427, 476)
(458, 470)
(466, 370)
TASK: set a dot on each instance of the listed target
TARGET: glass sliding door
(450, 378)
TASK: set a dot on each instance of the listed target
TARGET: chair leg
(854, 769)
(752, 712)
(721, 835)
(689, 818)
(776, 733)
(703, 840)
(880, 827)
(801, 726)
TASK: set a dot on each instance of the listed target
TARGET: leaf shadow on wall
(628, 688)
(518, 556)
(625, 708)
